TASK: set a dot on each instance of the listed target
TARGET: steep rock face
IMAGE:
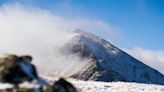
(107, 62)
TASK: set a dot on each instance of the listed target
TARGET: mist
(40, 33)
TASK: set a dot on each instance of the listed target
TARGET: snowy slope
(92, 86)
(88, 86)
(106, 62)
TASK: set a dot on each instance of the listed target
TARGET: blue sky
(140, 23)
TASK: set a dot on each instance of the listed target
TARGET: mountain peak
(88, 57)
(108, 62)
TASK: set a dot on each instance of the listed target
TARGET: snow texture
(92, 86)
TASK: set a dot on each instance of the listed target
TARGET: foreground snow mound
(106, 62)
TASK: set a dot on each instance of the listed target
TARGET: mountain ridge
(107, 62)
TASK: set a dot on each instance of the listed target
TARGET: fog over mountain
(40, 33)
(61, 47)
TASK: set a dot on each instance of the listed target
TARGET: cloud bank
(152, 58)
(40, 33)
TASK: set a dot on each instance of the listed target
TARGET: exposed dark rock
(63, 86)
(17, 70)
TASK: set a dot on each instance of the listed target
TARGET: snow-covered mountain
(105, 62)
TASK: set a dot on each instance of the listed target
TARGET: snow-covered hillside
(105, 62)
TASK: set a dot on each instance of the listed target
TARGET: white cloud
(39, 33)
(152, 58)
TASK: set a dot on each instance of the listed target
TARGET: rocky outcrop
(18, 74)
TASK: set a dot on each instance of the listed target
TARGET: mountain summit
(107, 62)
